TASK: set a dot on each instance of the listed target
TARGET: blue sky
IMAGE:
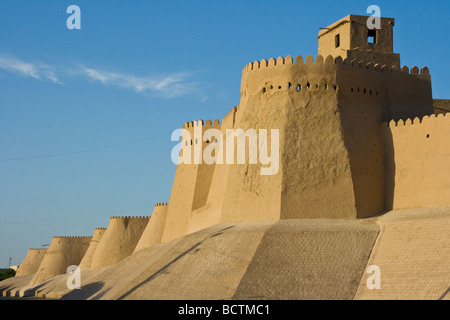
(86, 115)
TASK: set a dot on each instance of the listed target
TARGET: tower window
(337, 40)
(372, 36)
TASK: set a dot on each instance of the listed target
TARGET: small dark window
(372, 36)
(428, 136)
(308, 85)
(290, 85)
(337, 41)
(279, 87)
(299, 87)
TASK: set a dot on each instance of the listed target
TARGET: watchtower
(351, 38)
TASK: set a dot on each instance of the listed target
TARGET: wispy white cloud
(165, 86)
(33, 70)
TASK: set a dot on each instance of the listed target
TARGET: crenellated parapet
(155, 228)
(162, 204)
(431, 120)
(423, 73)
(200, 126)
(287, 74)
(63, 252)
(309, 60)
(130, 217)
(71, 237)
(309, 74)
(197, 123)
(417, 153)
(31, 262)
(118, 241)
(193, 134)
(95, 240)
(288, 61)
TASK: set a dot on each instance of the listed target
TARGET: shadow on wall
(5, 291)
(445, 294)
(85, 292)
(389, 158)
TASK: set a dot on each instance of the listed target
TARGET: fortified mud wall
(417, 162)
(87, 259)
(155, 228)
(31, 262)
(62, 253)
(119, 240)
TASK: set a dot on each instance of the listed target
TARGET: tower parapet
(351, 38)
(119, 240)
(31, 262)
(155, 228)
(162, 204)
(63, 252)
(87, 258)
(285, 74)
(409, 144)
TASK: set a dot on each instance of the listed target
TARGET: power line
(5, 223)
(85, 150)
(65, 220)
(89, 150)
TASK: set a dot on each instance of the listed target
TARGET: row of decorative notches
(72, 237)
(369, 65)
(132, 217)
(197, 123)
(161, 204)
(415, 121)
